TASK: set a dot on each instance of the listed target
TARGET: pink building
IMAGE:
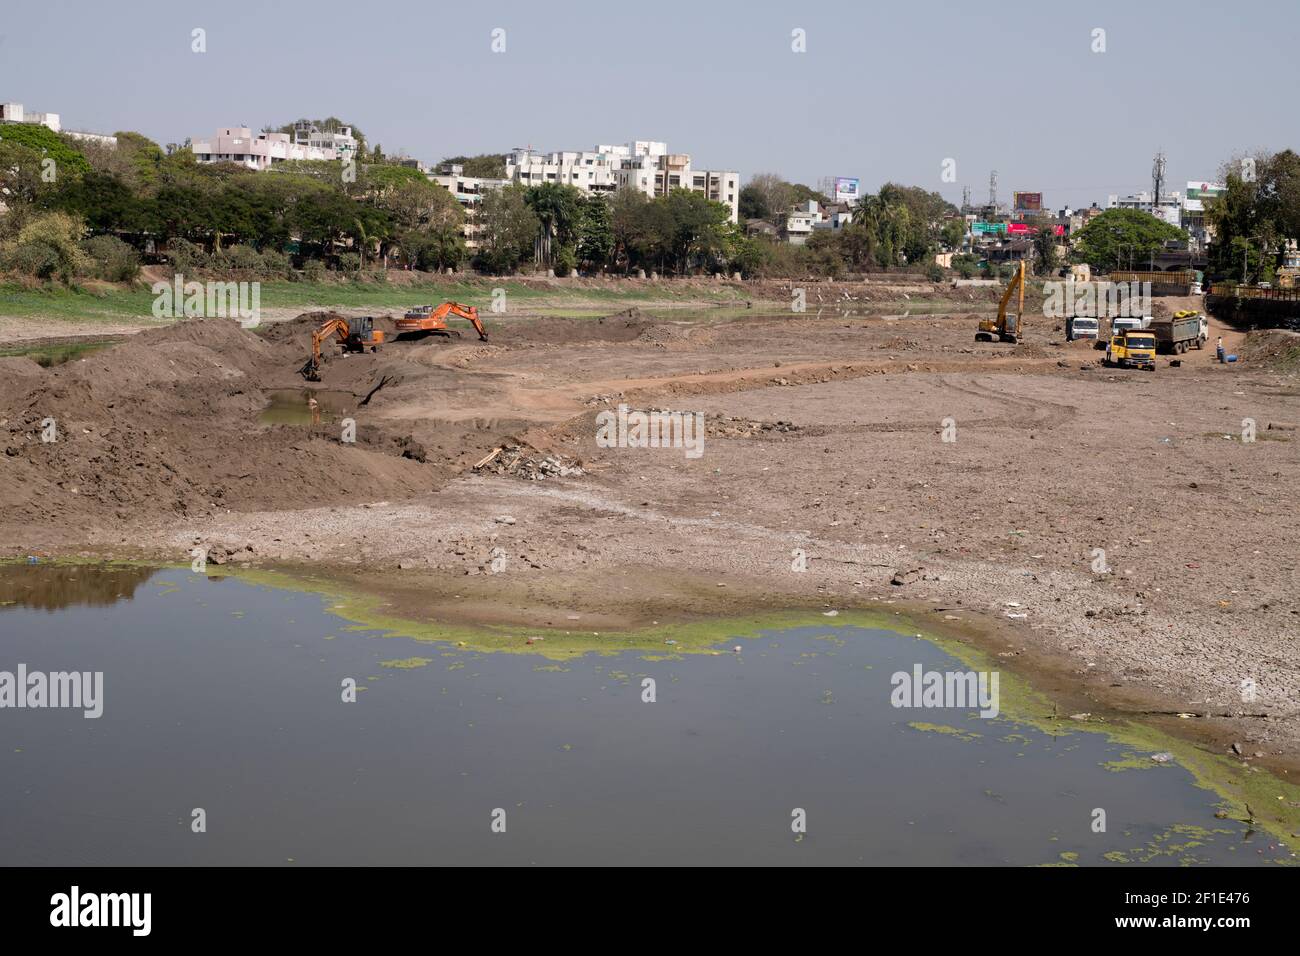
(238, 144)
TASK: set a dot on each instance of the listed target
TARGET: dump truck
(1132, 348)
(1183, 330)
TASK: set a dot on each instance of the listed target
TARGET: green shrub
(185, 256)
(565, 261)
(934, 272)
(113, 259)
(313, 270)
(349, 262)
(275, 263)
(236, 259)
(37, 259)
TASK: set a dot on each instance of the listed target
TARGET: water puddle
(306, 406)
(227, 696)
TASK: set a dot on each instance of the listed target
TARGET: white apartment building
(239, 144)
(468, 191)
(1169, 209)
(14, 113)
(645, 165)
(341, 140)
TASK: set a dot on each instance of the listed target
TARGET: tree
(953, 233)
(596, 231)
(1045, 259)
(484, 166)
(1123, 238)
(69, 160)
(766, 196)
(626, 219)
(558, 208)
(1255, 214)
(700, 228)
(507, 228)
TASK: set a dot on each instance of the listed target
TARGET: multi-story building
(468, 191)
(1200, 230)
(238, 144)
(800, 222)
(14, 113)
(340, 140)
(644, 165)
(1169, 208)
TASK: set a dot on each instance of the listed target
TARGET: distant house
(238, 144)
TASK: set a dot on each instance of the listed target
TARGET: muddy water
(226, 696)
(294, 406)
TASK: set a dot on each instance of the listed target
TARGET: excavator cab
(360, 330)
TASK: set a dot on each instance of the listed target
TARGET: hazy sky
(884, 91)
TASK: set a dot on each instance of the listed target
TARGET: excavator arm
(1010, 330)
(470, 315)
(339, 327)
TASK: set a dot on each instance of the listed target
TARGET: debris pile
(520, 461)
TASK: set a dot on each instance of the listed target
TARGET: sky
(881, 92)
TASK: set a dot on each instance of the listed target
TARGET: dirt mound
(665, 336)
(168, 422)
(1278, 349)
(18, 367)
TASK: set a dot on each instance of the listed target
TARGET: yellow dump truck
(1132, 348)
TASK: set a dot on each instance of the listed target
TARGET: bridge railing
(1253, 292)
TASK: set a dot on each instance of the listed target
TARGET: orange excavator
(426, 320)
(354, 335)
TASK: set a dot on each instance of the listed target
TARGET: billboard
(846, 190)
(988, 228)
(1027, 202)
(1205, 190)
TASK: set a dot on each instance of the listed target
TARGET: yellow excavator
(1006, 327)
(354, 335)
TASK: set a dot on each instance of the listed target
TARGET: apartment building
(340, 140)
(1169, 208)
(239, 144)
(468, 191)
(644, 165)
